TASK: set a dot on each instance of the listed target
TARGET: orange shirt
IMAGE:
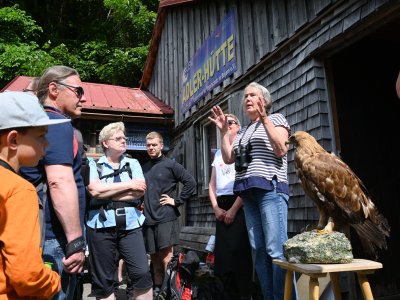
(22, 271)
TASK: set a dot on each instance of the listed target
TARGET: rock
(313, 248)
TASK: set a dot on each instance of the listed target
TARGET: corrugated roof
(164, 3)
(110, 98)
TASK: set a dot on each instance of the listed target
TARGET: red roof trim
(111, 98)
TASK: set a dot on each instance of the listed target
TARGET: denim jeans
(266, 221)
(53, 252)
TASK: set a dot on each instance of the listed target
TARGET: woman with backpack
(114, 223)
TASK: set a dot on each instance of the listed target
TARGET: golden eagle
(340, 196)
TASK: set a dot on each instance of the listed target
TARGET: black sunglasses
(78, 90)
(230, 122)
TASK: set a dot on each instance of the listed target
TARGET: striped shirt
(264, 165)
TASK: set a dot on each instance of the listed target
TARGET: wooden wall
(281, 44)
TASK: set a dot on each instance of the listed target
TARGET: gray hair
(54, 73)
(266, 94)
(109, 130)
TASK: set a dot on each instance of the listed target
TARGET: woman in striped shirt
(260, 156)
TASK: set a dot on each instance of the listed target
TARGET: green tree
(107, 41)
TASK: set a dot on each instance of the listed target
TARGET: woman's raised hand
(219, 118)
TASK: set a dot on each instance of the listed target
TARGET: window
(211, 143)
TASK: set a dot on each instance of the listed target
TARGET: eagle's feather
(340, 196)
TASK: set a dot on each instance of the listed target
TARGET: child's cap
(19, 109)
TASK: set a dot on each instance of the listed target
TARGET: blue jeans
(266, 221)
(53, 252)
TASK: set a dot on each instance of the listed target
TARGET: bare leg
(143, 294)
(120, 266)
(160, 262)
(111, 297)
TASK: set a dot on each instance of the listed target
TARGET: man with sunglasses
(60, 92)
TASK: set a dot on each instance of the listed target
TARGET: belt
(114, 205)
(119, 207)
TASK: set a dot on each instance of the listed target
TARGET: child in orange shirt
(23, 126)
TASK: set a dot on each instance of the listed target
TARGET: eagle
(338, 193)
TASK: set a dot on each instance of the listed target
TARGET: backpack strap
(109, 204)
(42, 186)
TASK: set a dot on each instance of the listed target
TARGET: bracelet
(74, 246)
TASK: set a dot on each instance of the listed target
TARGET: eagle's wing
(328, 179)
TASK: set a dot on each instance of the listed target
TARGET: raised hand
(219, 118)
(260, 107)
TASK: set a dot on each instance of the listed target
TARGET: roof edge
(165, 3)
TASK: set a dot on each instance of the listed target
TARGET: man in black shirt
(160, 208)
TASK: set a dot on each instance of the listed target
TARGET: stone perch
(313, 248)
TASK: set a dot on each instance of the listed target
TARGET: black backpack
(179, 277)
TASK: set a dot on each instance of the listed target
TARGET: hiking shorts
(160, 236)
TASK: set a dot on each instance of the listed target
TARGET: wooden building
(331, 67)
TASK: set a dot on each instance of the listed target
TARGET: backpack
(208, 287)
(86, 178)
(179, 277)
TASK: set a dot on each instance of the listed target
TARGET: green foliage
(123, 66)
(135, 19)
(22, 59)
(107, 41)
(16, 26)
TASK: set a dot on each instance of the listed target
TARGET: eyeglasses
(28, 90)
(230, 122)
(78, 90)
(118, 139)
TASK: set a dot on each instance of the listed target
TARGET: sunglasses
(78, 90)
(119, 139)
(230, 122)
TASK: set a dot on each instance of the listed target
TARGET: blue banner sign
(136, 137)
(213, 62)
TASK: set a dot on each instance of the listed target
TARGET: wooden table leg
(314, 288)
(288, 285)
(365, 287)
(336, 285)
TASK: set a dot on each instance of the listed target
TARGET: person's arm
(277, 135)
(231, 213)
(212, 194)
(221, 121)
(20, 239)
(189, 184)
(64, 197)
(119, 191)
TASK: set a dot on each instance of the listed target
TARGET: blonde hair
(109, 130)
(153, 135)
(233, 117)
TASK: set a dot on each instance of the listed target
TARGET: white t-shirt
(224, 175)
